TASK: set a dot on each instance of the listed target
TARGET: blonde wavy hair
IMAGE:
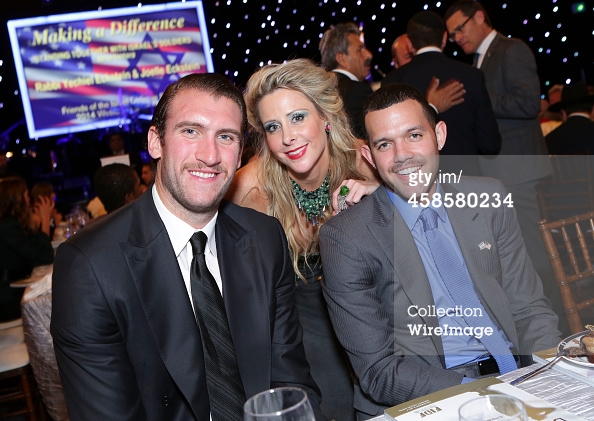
(320, 87)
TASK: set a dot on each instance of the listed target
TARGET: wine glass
(493, 407)
(279, 404)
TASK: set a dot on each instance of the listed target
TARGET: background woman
(21, 249)
(305, 152)
(44, 189)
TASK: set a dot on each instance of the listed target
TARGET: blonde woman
(306, 157)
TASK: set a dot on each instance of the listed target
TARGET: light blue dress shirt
(460, 349)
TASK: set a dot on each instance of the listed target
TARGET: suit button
(165, 401)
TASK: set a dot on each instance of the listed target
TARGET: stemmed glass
(493, 407)
(280, 404)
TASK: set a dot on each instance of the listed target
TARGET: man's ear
(341, 59)
(154, 143)
(366, 152)
(129, 197)
(441, 132)
(444, 39)
(410, 46)
(479, 16)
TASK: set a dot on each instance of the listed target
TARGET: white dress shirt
(179, 234)
(482, 49)
(347, 74)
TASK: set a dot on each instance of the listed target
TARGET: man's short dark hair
(468, 8)
(395, 93)
(112, 183)
(211, 83)
(334, 41)
(425, 29)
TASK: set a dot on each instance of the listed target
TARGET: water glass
(493, 407)
(280, 404)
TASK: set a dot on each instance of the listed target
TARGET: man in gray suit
(403, 328)
(514, 88)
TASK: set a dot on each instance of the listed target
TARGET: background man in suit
(132, 338)
(383, 279)
(512, 82)
(344, 53)
(576, 134)
(402, 52)
(472, 128)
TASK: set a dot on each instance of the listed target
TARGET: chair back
(570, 190)
(570, 244)
(36, 314)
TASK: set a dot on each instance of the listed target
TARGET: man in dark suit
(472, 128)
(576, 134)
(131, 336)
(388, 294)
(344, 53)
(514, 88)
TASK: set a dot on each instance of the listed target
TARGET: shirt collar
(346, 73)
(411, 214)
(580, 114)
(430, 48)
(486, 43)
(180, 232)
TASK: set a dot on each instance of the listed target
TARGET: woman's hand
(357, 189)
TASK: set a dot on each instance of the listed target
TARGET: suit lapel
(490, 51)
(472, 229)
(246, 301)
(399, 245)
(163, 294)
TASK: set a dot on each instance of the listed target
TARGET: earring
(327, 127)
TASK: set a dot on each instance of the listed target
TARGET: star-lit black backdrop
(245, 34)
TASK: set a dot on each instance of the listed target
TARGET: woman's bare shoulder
(246, 189)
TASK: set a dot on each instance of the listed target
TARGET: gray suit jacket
(127, 344)
(373, 273)
(514, 89)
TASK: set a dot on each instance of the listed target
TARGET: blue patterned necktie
(225, 390)
(461, 289)
(475, 60)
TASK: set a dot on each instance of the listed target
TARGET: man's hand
(445, 96)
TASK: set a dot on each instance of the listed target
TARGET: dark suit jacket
(354, 94)
(575, 135)
(126, 341)
(374, 273)
(514, 89)
(472, 128)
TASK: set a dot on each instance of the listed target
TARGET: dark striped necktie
(225, 390)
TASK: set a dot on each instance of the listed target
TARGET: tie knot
(198, 242)
(428, 217)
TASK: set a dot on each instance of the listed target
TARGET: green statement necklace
(312, 203)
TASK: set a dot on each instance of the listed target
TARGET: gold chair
(17, 382)
(573, 271)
